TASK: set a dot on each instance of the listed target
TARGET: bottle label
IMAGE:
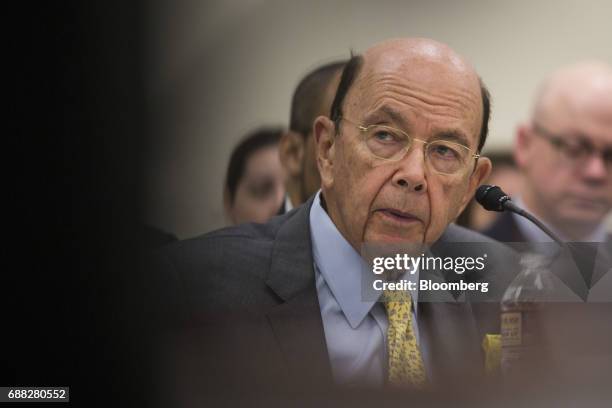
(511, 332)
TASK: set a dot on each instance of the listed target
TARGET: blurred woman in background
(255, 182)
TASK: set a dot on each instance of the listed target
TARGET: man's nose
(594, 168)
(410, 174)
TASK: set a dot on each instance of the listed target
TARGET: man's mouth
(397, 215)
(590, 202)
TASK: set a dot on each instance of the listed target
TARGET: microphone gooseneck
(493, 198)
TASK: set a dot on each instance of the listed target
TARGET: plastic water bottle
(523, 350)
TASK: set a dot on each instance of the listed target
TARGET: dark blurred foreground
(72, 201)
(223, 362)
(83, 311)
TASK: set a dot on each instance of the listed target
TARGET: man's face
(568, 192)
(403, 201)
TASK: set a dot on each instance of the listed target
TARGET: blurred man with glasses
(565, 155)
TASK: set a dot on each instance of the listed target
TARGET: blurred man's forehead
(580, 91)
(589, 120)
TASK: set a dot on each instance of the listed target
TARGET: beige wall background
(217, 69)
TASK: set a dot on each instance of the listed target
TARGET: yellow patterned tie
(405, 361)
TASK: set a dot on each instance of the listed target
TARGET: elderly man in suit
(280, 305)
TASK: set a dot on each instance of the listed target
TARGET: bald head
(413, 54)
(585, 87)
(424, 62)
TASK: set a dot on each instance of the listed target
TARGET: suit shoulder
(232, 238)
(501, 265)
(226, 267)
(238, 255)
(224, 247)
(456, 233)
(504, 229)
(455, 236)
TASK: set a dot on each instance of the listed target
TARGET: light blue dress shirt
(355, 329)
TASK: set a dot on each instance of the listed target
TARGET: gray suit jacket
(248, 305)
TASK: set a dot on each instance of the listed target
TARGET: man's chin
(584, 214)
(393, 238)
(577, 220)
(384, 230)
(589, 209)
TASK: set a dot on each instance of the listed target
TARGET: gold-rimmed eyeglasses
(391, 144)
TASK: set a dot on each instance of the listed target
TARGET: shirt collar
(288, 203)
(342, 267)
(339, 263)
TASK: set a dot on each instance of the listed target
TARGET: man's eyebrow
(383, 112)
(456, 136)
(386, 111)
(584, 139)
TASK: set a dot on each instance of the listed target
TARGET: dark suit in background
(591, 260)
(504, 229)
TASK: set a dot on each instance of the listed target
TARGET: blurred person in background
(255, 181)
(312, 98)
(564, 154)
(504, 174)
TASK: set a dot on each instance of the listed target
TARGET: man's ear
(324, 136)
(291, 150)
(522, 145)
(478, 176)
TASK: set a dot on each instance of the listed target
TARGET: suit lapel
(298, 328)
(450, 331)
(297, 323)
(449, 327)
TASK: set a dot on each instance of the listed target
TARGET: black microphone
(493, 198)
